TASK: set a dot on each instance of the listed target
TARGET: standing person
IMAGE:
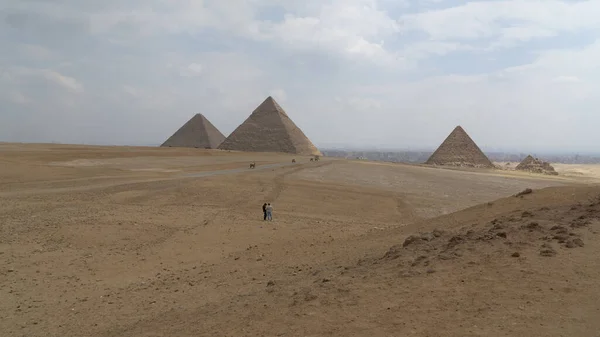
(265, 211)
(269, 212)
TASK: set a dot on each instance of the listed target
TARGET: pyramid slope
(198, 132)
(458, 149)
(535, 165)
(269, 129)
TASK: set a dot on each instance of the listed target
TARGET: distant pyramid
(269, 129)
(197, 132)
(459, 150)
(535, 165)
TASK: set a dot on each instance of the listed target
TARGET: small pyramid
(198, 132)
(458, 149)
(529, 160)
(269, 129)
(535, 165)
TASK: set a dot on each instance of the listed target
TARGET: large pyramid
(459, 150)
(197, 132)
(535, 165)
(269, 129)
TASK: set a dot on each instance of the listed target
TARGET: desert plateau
(125, 241)
(364, 168)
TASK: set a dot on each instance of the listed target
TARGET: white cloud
(35, 52)
(66, 82)
(132, 91)
(16, 75)
(354, 28)
(358, 103)
(566, 79)
(218, 69)
(17, 97)
(422, 49)
(523, 108)
(483, 64)
(505, 22)
(192, 70)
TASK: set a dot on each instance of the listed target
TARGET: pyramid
(269, 129)
(198, 132)
(458, 149)
(536, 165)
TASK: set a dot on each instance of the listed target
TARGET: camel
(312, 159)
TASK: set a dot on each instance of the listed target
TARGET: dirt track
(146, 252)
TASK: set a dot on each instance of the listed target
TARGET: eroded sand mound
(535, 165)
(543, 231)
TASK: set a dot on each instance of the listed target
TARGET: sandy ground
(112, 241)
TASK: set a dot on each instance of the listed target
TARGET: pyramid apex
(270, 99)
(199, 115)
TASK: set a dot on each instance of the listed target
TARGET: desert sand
(126, 241)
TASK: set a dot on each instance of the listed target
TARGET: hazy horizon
(358, 149)
(363, 73)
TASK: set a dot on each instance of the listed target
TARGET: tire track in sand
(279, 182)
(137, 181)
(237, 200)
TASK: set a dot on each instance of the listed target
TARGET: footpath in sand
(191, 256)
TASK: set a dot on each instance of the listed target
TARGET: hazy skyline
(518, 75)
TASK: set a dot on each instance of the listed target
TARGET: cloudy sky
(517, 75)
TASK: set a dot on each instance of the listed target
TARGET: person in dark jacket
(265, 211)
(269, 212)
